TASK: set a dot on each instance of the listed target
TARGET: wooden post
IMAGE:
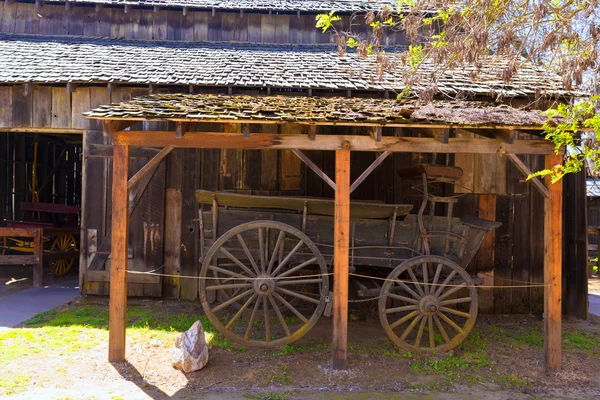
(118, 265)
(485, 255)
(340, 254)
(38, 250)
(553, 270)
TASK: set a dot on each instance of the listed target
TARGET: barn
(248, 98)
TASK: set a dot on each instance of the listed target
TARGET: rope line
(229, 278)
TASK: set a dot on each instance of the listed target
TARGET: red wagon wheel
(428, 304)
(60, 244)
(266, 275)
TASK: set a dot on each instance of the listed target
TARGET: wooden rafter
(223, 140)
(314, 167)
(526, 172)
(150, 165)
(368, 171)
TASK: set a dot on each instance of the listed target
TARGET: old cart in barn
(266, 265)
(60, 230)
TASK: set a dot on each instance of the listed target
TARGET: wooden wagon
(60, 236)
(266, 265)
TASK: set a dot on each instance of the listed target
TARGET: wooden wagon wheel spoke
(438, 323)
(421, 328)
(443, 285)
(417, 284)
(238, 262)
(455, 312)
(298, 295)
(297, 268)
(298, 281)
(425, 278)
(287, 258)
(452, 290)
(267, 325)
(431, 310)
(226, 272)
(400, 309)
(248, 254)
(228, 286)
(280, 278)
(261, 250)
(276, 251)
(240, 311)
(280, 316)
(231, 301)
(455, 301)
(403, 298)
(290, 307)
(251, 322)
(431, 331)
(63, 243)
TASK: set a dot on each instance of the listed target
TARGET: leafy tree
(562, 36)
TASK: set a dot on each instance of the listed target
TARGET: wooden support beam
(150, 165)
(118, 266)
(126, 8)
(314, 168)
(526, 172)
(504, 135)
(106, 150)
(70, 88)
(99, 7)
(181, 128)
(376, 133)
(368, 171)
(38, 4)
(312, 132)
(442, 135)
(341, 226)
(553, 220)
(38, 251)
(185, 11)
(112, 127)
(223, 140)
(156, 9)
(246, 130)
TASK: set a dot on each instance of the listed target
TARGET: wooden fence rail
(38, 252)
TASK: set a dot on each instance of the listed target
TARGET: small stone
(191, 351)
(156, 342)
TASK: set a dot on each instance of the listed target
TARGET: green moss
(13, 383)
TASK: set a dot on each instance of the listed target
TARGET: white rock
(191, 351)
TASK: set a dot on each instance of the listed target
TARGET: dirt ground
(501, 359)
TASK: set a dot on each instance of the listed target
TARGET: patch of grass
(313, 345)
(279, 377)
(508, 381)
(450, 364)
(13, 383)
(580, 341)
(268, 396)
(518, 338)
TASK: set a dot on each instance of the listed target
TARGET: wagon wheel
(266, 277)
(62, 243)
(420, 313)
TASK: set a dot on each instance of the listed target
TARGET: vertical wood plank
(521, 250)
(61, 108)
(81, 103)
(173, 222)
(254, 23)
(340, 270)
(503, 257)
(214, 27)
(159, 25)
(201, 26)
(267, 28)
(118, 268)
(38, 250)
(22, 107)
(553, 270)
(484, 265)
(6, 107)
(282, 28)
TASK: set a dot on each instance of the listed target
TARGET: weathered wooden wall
(145, 24)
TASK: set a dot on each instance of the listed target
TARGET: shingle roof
(31, 58)
(275, 5)
(203, 107)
